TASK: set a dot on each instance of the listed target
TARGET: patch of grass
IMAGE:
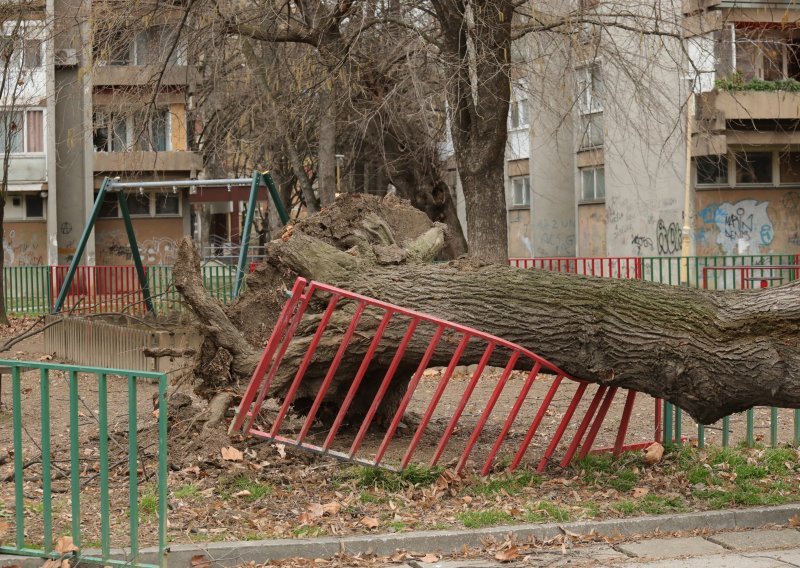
(227, 487)
(626, 507)
(412, 476)
(775, 460)
(750, 471)
(396, 526)
(148, 502)
(605, 469)
(743, 493)
(511, 484)
(624, 480)
(308, 532)
(367, 497)
(730, 456)
(35, 508)
(591, 510)
(698, 474)
(659, 505)
(438, 527)
(551, 511)
(485, 518)
(188, 491)
(254, 536)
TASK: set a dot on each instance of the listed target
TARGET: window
(110, 132)
(155, 43)
(138, 203)
(712, 170)
(769, 56)
(112, 47)
(34, 206)
(31, 53)
(22, 131)
(109, 208)
(152, 128)
(593, 184)
(590, 106)
(753, 167)
(520, 191)
(518, 114)
(164, 204)
(167, 204)
(790, 167)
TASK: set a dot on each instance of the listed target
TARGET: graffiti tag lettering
(668, 237)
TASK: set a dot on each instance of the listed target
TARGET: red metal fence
(459, 420)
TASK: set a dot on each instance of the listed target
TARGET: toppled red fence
(497, 414)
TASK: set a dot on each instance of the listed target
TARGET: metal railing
(80, 472)
(709, 272)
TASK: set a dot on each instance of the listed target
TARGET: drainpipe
(686, 244)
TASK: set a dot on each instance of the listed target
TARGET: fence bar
(248, 226)
(726, 431)
(750, 427)
(773, 427)
(105, 526)
(587, 419)
(668, 416)
(133, 481)
(162, 468)
(701, 436)
(47, 496)
(536, 421)
(74, 459)
(678, 425)
(19, 496)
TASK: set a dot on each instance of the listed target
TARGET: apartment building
(603, 170)
(103, 91)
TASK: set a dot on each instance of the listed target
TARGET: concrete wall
(157, 238)
(748, 221)
(644, 146)
(25, 243)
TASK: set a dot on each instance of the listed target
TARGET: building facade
(105, 95)
(619, 140)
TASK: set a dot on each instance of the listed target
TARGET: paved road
(763, 548)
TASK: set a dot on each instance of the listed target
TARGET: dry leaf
(51, 564)
(370, 522)
(4, 526)
(399, 556)
(653, 453)
(64, 545)
(242, 493)
(315, 510)
(507, 555)
(794, 521)
(65, 563)
(200, 561)
(331, 508)
(429, 559)
(281, 450)
(231, 454)
(640, 492)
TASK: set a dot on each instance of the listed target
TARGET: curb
(229, 554)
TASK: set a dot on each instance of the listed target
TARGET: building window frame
(723, 159)
(591, 90)
(597, 192)
(519, 192)
(26, 142)
(19, 211)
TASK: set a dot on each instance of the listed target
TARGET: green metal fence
(27, 289)
(58, 384)
(721, 272)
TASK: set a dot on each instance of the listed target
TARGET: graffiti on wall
(23, 250)
(668, 237)
(154, 250)
(640, 242)
(743, 227)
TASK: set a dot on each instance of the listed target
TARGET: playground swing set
(114, 185)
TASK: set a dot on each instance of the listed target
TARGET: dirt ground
(274, 491)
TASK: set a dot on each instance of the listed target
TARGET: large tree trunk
(711, 353)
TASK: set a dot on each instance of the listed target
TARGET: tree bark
(711, 353)
(327, 146)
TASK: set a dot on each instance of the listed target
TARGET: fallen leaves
(653, 453)
(200, 561)
(231, 454)
(794, 521)
(4, 527)
(64, 545)
(639, 492)
(508, 555)
(430, 559)
(370, 522)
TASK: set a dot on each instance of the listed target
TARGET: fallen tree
(711, 353)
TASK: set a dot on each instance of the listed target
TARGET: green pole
(248, 225)
(276, 198)
(137, 260)
(668, 415)
(87, 230)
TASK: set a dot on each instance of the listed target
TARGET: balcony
(147, 162)
(27, 168)
(750, 105)
(130, 75)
